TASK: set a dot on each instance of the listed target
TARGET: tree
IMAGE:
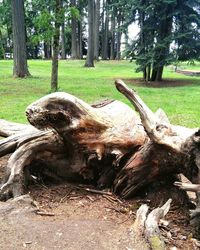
(56, 36)
(90, 52)
(96, 29)
(6, 44)
(19, 40)
(62, 35)
(160, 23)
(39, 20)
(105, 29)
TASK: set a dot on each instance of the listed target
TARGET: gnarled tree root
(32, 149)
(106, 145)
(147, 225)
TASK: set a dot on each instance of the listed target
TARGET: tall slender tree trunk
(2, 51)
(80, 37)
(19, 39)
(112, 29)
(90, 52)
(149, 72)
(96, 30)
(54, 72)
(153, 74)
(105, 33)
(63, 46)
(119, 36)
(73, 33)
(62, 36)
(118, 55)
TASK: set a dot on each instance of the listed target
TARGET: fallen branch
(43, 213)
(91, 190)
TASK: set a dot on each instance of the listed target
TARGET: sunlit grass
(91, 84)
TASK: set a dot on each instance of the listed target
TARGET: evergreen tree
(161, 23)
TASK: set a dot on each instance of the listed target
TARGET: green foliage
(161, 23)
(5, 27)
(43, 25)
(74, 12)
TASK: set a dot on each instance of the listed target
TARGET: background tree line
(39, 20)
(168, 31)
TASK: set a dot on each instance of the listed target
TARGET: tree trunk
(90, 52)
(149, 72)
(63, 47)
(161, 52)
(19, 40)
(80, 31)
(73, 33)
(159, 73)
(80, 38)
(96, 30)
(62, 35)
(54, 71)
(105, 32)
(113, 36)
(119, 34)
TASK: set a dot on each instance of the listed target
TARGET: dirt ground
(165, 83)
(66, 216)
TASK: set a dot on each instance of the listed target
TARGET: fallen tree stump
(107, 145)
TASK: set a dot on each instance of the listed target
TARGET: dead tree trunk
(107, 145)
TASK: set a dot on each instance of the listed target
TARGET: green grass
(182, 104)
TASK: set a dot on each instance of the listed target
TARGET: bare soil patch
(165, 83)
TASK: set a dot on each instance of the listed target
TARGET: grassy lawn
(182, 103)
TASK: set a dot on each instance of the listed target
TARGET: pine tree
(161, 23)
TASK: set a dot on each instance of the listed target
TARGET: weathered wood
(147, 225)
(105, 145)
(11, 128)
(170, 149)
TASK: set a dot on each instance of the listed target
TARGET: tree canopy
(168, 31)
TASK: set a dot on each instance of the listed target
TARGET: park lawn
(182, 103)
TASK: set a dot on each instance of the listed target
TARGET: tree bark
(96, 30)
(80, 40)
(74, 33)
(119, 35)
(62, 36)
(162, 52)
(113, 35)
(90, 52)
(19, 40)
(54, 71)
(105, 32)
(63, 47)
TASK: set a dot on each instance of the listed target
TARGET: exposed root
(147, 225)
(21, 158)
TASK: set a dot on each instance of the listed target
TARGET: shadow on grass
(165, 83)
